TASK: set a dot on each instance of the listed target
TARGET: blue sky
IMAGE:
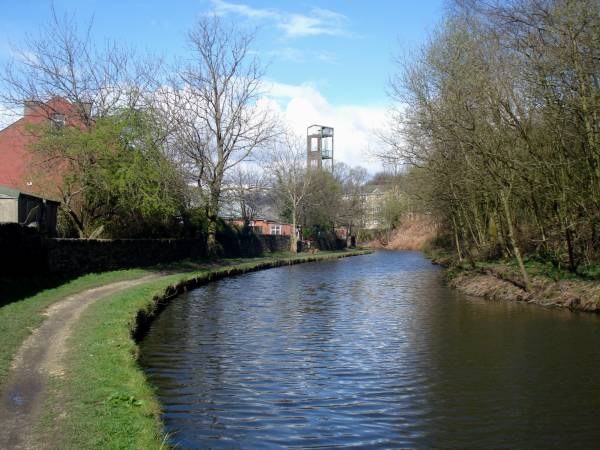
(327, 60)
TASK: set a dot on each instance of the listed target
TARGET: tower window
(314, 144)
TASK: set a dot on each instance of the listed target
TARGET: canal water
(370, 352)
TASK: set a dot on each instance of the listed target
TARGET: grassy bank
(103, 400)
(501, 280)
(19, 319)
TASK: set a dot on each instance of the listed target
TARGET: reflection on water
(370, 352)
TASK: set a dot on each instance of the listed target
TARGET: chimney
(30, 107)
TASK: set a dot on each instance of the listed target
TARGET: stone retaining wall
(99, 255)
(24, 252)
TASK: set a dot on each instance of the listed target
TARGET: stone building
(28, 210)
(373, 198)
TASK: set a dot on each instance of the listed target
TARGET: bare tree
(499, 114)
(220, 123)
(244, 191)
(286, 164)
(351, 211)
(62, 60)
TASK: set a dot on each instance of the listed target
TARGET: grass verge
(19, 319)
(104, 400)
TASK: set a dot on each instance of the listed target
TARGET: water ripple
(369, 352)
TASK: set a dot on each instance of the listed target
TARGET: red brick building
(264, 226)
(341, 232)
(20, 166)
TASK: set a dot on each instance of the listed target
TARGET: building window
(275, 229)
(58, 120)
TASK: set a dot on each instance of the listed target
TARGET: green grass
(19, 319)
(104, 393)
(590, 272)
(542, 268)
(534, 266)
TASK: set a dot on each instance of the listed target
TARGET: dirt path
(40, 357)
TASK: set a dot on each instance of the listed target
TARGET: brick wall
(22, 167)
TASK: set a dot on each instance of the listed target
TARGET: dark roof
(6, 192)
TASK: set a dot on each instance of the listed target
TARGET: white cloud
(317, 22)
(296, 55)
(223, 7)
(354, 125)
(321, 21)
(9, 115)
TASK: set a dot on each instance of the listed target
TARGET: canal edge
(144, 317)
(103, 377)
(499, 284)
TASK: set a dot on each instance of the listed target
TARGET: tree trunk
(75, 221)
(212, 245)
(293, 239)
(570, 250)
(456, 240)
(506, 252)
(513, 241)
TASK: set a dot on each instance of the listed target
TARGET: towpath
(41, 357)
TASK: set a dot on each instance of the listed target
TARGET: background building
(319, 147)
(21, 167)
(27, 209)
(266, 226)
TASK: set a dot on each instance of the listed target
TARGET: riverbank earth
(68, 371)
(501, 280)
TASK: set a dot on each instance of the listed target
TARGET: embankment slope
(412, 234)
(500, 283)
